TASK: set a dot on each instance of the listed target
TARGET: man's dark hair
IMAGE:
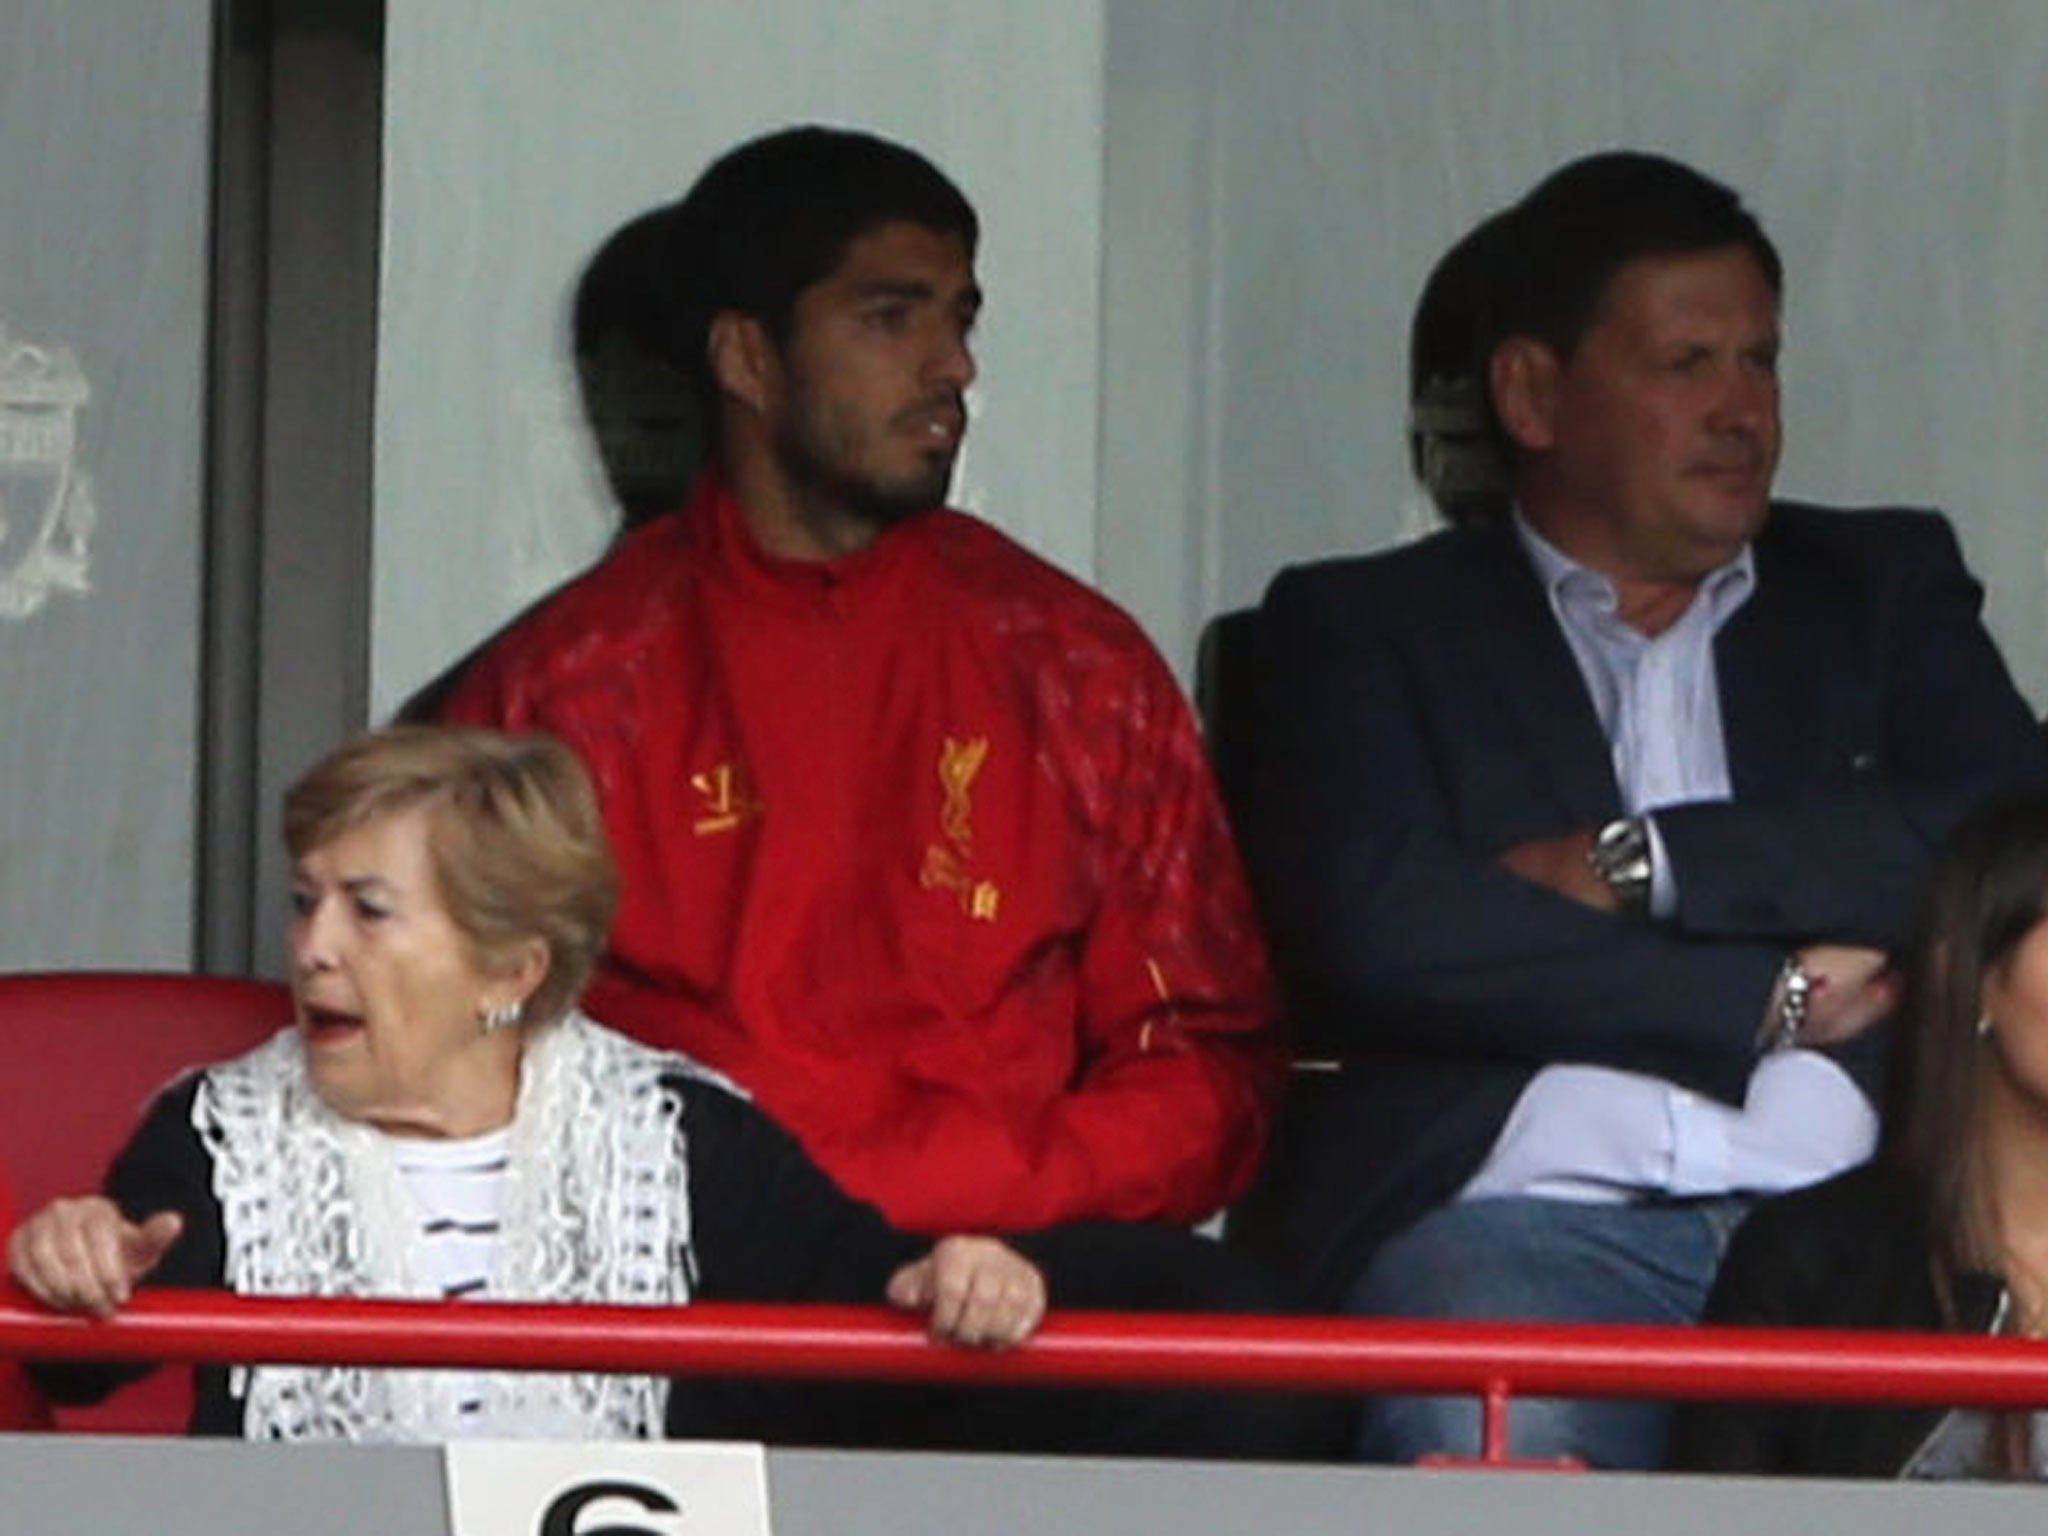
(1453, 444)
(641, 406)
(763, 223)
(1582, 224)
(1542, 268)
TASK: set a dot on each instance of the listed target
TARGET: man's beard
(823, 467)
(883, 504)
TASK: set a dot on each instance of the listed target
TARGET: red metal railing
(1494, 1360)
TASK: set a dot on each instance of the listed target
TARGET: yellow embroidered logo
(946, 864)
(726, 799)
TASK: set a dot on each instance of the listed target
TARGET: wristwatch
(1795, 994)
(1620, 855)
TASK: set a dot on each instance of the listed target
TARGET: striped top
(456, 1188)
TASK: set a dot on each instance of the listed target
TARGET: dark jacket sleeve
(1943, 727)
(1398, 932)
(163, 1168)
(1864, 707)
(766, 1223)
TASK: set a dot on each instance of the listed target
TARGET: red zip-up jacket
(919, 845)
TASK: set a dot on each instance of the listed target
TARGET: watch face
(1621, 857)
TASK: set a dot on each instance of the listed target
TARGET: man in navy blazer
(1584, 827)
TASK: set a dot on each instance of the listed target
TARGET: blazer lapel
(1517, 643)
(1770, 661)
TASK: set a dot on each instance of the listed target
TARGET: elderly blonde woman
(441, 1121)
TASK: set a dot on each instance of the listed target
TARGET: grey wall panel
(1315, 161)
(60, 1485)
(103, 241)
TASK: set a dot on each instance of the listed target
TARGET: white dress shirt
(1593, 1133)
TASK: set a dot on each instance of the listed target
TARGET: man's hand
(979, 1292)
(85, 1256)
(1850, 988)
(1564, 865)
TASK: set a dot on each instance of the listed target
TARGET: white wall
(103, 248)
(1280, 180)
(519, 133)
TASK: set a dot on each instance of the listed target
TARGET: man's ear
(743, 358)
(1522, 374)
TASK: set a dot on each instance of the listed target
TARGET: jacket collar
(1771, 712)
(718, 525)
(1781, 664)
(1538, 679)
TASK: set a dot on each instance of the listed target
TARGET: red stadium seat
(82, 1054)
(21, 1406)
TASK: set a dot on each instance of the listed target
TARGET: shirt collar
(1572, 586)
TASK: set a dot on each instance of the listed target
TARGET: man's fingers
(1001, 1312)
(953, 1282)
(980, 1310)
(985, 1294)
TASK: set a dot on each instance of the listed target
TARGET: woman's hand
(85, 1256)
(978, 1292)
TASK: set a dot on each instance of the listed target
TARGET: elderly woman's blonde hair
(515, 839)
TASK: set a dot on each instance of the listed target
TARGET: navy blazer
(1423, 712)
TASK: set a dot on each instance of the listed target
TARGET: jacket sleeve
(1397, 937)
(1949, 729)
(766, 1224)
(482, 694)
(163, 1168)
(1181, 1056)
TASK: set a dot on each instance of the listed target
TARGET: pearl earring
(497, 1015)
(1983, 1025)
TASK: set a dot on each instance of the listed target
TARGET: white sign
(46, 503)
(605, 1488)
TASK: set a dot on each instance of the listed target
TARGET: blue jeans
(1549, 1261)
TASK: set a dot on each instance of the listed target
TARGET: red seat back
(21, 1406)
(82, 1053)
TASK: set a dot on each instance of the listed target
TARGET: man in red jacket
(917, 838)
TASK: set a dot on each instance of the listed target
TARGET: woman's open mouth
(323, 1025)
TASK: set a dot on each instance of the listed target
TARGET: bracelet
(1795, 991)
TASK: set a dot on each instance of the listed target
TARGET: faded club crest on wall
(46, 504)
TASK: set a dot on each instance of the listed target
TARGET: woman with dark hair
(1948, 1228)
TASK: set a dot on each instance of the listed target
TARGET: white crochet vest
(595, 1208)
